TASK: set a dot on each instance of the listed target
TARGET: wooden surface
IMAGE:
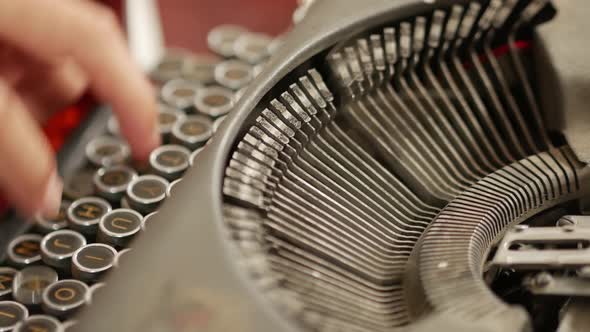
(186, 22)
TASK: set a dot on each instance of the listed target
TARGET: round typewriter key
(79, 184)
(118, 227)
(111, 182)
(58, 247)
(39, 323)
(11, 313)
(46, 225)
(233, 74)
(146, 193)
(6, 278)
(85, 213)
(24, 250)
(217, 123)
(252, 47)
(64, 297)
(90, 262)
(199, 69)
(167, 117)
(214, 101)
(170, 161)
(170, 67)
(147, 219)
(180, 93)
(194, 155)
(170, 189)
(107, 151)
(29, 283)
(193, 132)
(221, 39)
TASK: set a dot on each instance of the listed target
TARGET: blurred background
(185, 25)
(186, 22)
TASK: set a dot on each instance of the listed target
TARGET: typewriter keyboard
(53, 269)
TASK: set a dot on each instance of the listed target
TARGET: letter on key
(118, 227)
(65, 297)
(10, 314)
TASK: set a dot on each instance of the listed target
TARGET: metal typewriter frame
(211, 282)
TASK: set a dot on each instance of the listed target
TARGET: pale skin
(51, 52)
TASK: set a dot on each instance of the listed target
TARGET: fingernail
(52, 197)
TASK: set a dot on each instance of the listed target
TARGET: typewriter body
(395, 166)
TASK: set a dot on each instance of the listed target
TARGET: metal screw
(565, 221)
(519, 228)
(584, 272)
(542, 279)
(569, 228)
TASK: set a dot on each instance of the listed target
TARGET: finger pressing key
(46, 225)
(81, 30)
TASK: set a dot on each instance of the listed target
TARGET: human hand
(50, 52)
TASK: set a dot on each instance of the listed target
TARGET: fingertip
(142, 150)
(138, 124)
(52, 197)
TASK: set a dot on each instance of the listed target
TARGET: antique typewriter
(387, 166)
